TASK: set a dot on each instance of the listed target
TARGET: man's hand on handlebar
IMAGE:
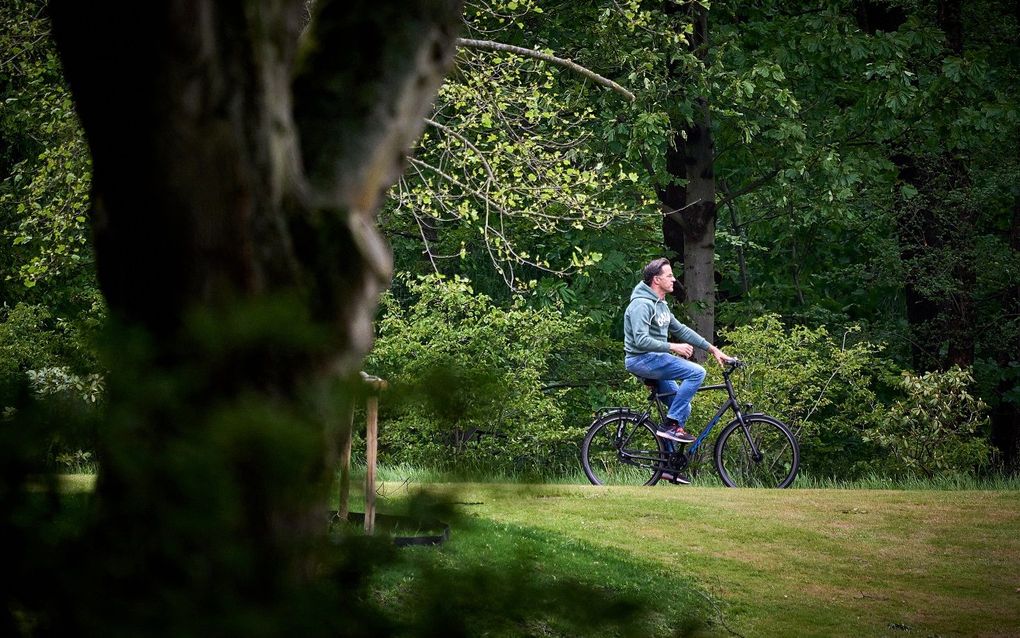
(720, 356)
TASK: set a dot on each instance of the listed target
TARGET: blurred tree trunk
(238, 165)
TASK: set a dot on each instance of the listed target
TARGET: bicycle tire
(775, 441)
(621, 449)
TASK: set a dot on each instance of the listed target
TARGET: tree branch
(488, 45)
(756, 184)
(466, 142)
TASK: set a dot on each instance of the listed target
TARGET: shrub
(467, 381)
(34, 351)
(825, 389)
(935, 429)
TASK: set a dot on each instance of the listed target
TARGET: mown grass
(942, 561)
(420, 476)
(510, 579)
(796, 562)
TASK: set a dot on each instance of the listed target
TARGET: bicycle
(753, 450)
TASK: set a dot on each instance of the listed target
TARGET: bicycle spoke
(736, 461)
(621, 450)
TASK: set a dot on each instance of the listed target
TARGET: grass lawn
(797, 562)
(805, 562)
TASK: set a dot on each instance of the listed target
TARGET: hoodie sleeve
(640, 319)
(685, 334)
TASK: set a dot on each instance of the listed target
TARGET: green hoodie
(647, 322)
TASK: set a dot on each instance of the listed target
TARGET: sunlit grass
(820, 562)
(828, 558)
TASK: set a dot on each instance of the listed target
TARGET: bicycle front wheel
(622, 449)
(776, 461)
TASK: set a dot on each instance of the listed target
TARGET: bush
(826, 390)
(935, 429)
(35, 350)
(467, 381)
(854, 412)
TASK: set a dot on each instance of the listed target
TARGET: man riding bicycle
(646, 326)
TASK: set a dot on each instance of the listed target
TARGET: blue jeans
(664, 368)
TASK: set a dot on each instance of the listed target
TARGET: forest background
(837, 182)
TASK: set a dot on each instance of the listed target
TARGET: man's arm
(683, 333)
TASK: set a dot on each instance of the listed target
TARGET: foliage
(25, 341)
(39, 359)
(468, 380)
(46, 172)
(827, 389)
(853, 416)
(192, 479)
(60, 380)
(509, 171)
(52, 306)
(49, 353)
(937, 427)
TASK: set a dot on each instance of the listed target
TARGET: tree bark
(690, 204)
(916, 233)
(238, 165)
(1005, 417)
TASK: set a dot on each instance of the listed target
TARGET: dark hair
(653, 268)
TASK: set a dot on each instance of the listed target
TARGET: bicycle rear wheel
(778, 459)
(621, 449)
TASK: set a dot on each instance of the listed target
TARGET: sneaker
(677, 434)
(676, 478)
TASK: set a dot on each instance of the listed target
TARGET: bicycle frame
(731, 403)
(633, 438)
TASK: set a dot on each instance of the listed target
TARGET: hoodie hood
(644, 291)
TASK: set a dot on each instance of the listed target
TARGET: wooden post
(375, 386)
(346, 435)
(371, 444)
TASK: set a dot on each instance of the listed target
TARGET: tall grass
(948, 482)
(412, 474)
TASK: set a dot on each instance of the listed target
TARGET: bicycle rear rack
(602, 412)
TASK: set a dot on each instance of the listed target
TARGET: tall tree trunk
(237, 171)
(1005, 416)
(698, 222)
(938, 226)
(959, 310)
(690, 207)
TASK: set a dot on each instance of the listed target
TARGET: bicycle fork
(756, 454)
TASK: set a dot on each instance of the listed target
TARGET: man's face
(665, 279)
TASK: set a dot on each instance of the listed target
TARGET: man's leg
(665, 368)
(691, 376)
(667, 391)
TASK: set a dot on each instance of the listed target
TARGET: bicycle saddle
(651, 383)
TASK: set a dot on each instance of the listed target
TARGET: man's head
(658, 275)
